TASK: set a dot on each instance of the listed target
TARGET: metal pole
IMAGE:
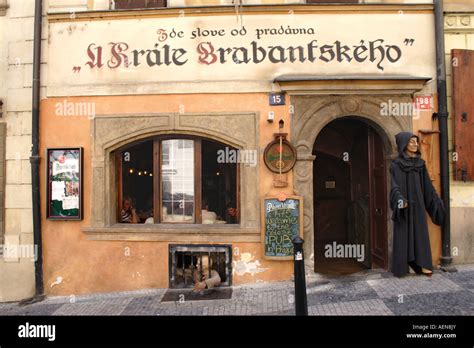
(35, 157)
(301, 303)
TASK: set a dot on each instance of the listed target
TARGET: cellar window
(184, 258)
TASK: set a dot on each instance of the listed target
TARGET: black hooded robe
(411, 184)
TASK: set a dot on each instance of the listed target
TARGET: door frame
(377, 256)
(371, 134)
(311, 114)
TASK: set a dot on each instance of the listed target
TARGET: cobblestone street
(373, 292)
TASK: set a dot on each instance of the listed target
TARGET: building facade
(17, 279)
(172, 117)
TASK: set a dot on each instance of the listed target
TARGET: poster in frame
(64, 183)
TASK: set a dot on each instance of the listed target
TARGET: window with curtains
(176, 180)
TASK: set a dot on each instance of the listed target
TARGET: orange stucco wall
(95, 266)
(98, 266)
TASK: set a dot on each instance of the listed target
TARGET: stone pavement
(373, 292)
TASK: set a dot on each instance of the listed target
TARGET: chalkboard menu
(64, 180)
(282, 221)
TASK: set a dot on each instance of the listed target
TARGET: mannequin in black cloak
(412, 194)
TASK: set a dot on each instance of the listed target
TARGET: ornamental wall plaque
(280, 155)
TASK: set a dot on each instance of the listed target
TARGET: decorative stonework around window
(459, 23)
(110, 132)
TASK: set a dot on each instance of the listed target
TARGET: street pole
(301, 304)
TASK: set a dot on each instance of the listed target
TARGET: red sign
(424, 102)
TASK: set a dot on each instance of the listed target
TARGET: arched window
(177, 179)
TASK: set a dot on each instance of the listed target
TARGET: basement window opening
(187, 261)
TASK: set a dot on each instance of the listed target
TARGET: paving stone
(290, 312)
(47, 309)
(442, 303)
(106, 307)
(8, 308)
(463, 279)
(106, 296)
(366, 307)
(146, 305)
(464, 268)
(372, 293)
(412, 285)
(341, 292)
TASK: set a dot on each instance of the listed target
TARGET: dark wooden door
(331, 197)
(377, 200)
(463, 117)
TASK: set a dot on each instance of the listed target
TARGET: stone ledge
(249, 9)
(176, 233)
(310, 85)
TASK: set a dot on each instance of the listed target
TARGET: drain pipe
(35, 157)
(442, 116)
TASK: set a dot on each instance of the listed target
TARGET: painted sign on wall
(258, 48)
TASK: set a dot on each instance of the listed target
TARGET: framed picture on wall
(64, 183)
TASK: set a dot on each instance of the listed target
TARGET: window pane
(177, 173)
(219, 183)
(137, 184)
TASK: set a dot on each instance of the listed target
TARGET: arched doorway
(349, 197)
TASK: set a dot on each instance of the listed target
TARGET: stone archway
(311, 114)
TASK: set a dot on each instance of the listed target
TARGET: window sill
(174, 233)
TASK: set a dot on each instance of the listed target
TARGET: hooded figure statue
(412, 194)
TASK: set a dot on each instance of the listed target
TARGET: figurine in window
(412, 194)
(128, 213)
(202, 278)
